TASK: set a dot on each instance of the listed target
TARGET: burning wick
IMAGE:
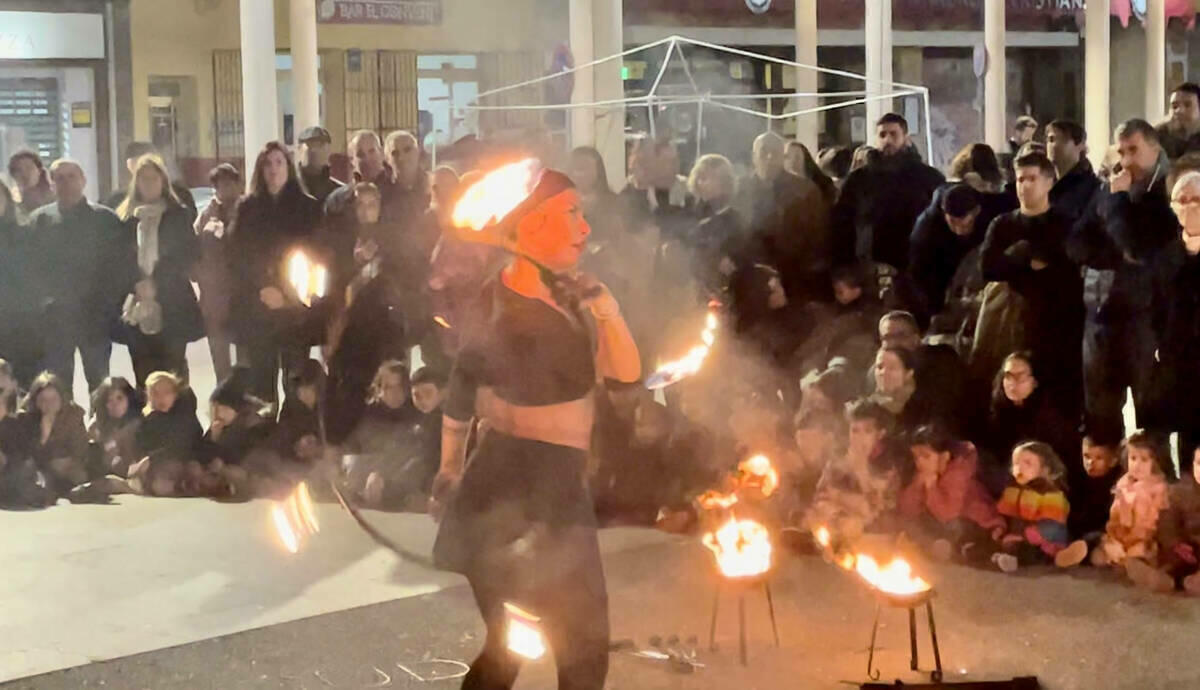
(524, 636)
(688, 365)
(439, 320)
(496, 195)
(822, 536)
(742, 548)
(295, 518)
(760, 473)
(307, 278)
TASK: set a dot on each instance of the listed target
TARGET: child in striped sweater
(1035, 509)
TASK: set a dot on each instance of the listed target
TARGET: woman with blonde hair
(719, 240)
(160, 314)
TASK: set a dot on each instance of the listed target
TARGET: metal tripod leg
(936, 676)
(873, 674)
(771, 608)
(912, 638)
(712, 628)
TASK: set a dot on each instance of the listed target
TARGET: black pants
(522, 529)
(1116, 357)
(21, 344)
(265, 360)
(151, 353)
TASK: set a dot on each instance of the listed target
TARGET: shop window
(446, 84)
(30, 117)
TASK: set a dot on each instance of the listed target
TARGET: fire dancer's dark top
(527, 352)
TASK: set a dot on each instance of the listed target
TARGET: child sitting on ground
(1035, 509)
(298, 432)
(19, 485)
(945, 508)
(428, 394)
(385, 463)
(236, 456)
(1178, 539)
(1091, 501)
(116, 419)
(168, 437)
(1139, 497)
(54, 431)
(857, 493)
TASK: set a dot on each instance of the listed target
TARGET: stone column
(305, 78)
(807, 80)
(1096, 79)
(995, 116)
(260, 104)
(878, 48)
(609, 123)
(1156, 60)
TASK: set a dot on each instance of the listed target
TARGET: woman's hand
(272, 297)
(598, 298)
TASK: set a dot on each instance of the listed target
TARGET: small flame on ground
(894, 578)
(524, 635)
(496, 195)
(690, 363)
(742, 548)
(295, 518)
(715, 500)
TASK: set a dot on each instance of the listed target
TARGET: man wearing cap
(313, 163)
(518, 520)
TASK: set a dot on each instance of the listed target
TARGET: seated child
(1178, 539)
(116, 418)
(298, 433)
(54, 431)
(857, 493)
(428, 394)
(1091, 501)
(385, 463)
(945, 508)
(1139, 497)
(236, 453)
(1034, 507)
(168, 437)
(19, 478)
(632, 487)
(819, 437)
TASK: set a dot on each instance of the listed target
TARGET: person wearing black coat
(78, 245)
(133, 153)
(160, 315)
(1176, 323)
(20, 322)
(1130, 222)
(1027, 249)
(267, 316)
(880, 202)
(955, 223)
(1066, 144)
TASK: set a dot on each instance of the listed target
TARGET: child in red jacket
(945, 509)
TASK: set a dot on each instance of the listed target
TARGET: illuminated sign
(51, 35)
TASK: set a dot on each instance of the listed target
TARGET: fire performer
(518, 520)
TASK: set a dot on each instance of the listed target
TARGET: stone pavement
(201, 597)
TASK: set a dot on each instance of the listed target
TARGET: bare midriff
(564, 424)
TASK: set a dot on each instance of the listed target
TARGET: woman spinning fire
(517, 519)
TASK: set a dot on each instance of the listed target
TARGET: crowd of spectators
(943, 356)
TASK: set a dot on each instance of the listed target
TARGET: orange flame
(690, 363)
(742, 548)
(524, 636)
(496, 195)
(823, 537)
(441, 321)
(758, 472)
(295, 518)
(894, 578)
(307, 278)
(715, 500)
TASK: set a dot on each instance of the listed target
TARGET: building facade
(64, 81)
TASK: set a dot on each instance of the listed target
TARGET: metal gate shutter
(32, 107)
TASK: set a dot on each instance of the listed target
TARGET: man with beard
(788, 220)
(879, 203)
(1181, 131)
(1066, 144)
(1116, 243)
(315, 147)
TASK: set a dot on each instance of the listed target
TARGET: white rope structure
(873, 90)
